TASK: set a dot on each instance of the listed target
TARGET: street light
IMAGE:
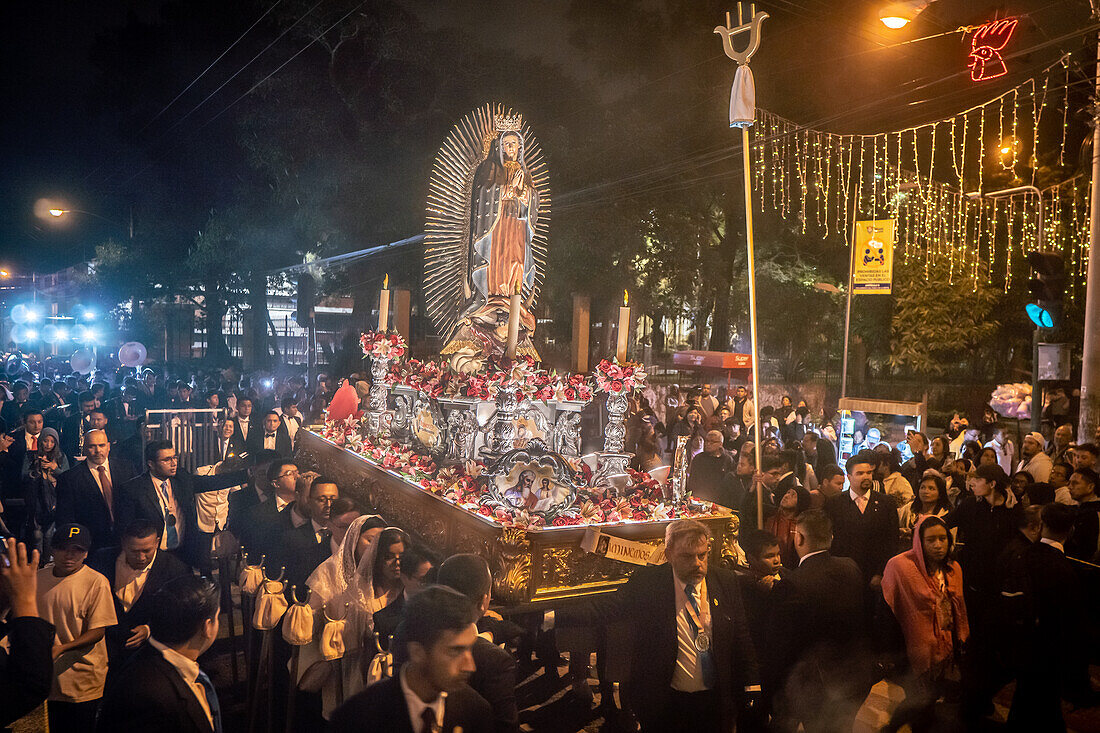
(54, 209)
(898, 15)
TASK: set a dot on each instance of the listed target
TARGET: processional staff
(743, 114)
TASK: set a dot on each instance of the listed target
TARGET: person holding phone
(26, 666)
(38, 485)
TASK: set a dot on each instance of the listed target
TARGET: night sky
(69, 133)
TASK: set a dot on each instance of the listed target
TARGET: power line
(249, 63)
(282, 65)
(211, 66)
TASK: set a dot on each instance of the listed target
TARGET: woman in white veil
(344, 578)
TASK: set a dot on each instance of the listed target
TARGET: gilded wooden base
(529, 566)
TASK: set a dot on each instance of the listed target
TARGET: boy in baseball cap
(77, 601)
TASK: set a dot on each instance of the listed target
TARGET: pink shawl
(913, 595)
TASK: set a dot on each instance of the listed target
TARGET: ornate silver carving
(427, 426)
(377, 425)
(565, 438)
(402, 417)
(533, 478)
(504, 421)
(614, 433)
(461, 432)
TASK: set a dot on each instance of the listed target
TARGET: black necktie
(270, 435)
(428, 718)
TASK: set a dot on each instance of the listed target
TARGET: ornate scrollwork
(378, 397)
(615, 431)
(731, 549)
(402, 417)
(565, 437)
(533, 478)
(512, 565)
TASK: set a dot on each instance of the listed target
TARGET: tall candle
(384, 306)
(624, 328)
(514, 307)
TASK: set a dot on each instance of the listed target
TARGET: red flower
(616, 386)
(484, 511)
(560, 521)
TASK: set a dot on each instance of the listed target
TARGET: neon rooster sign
(985, 60)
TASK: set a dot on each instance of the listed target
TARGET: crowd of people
(928, 563)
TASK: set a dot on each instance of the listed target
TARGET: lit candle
(514, 307)
(624, 328)
(384, 306)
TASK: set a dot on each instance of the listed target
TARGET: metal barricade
(192, 432)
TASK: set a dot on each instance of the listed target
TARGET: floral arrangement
(615, 378)
(382, 345)
(1012, 400)
(437, 380)
(643, 501)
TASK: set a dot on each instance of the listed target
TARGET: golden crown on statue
(508, 123)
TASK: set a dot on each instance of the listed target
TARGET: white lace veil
(340, 579)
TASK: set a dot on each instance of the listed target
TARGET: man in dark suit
(135, 573)
(439, 632)
(495, 677)
(165, 495)
(88, 493)
(243, 502)
(308, 541)
(865, 522)
(77, 425)
(417, 566)
(245, 430)
(26, 437)
(162, 689)
(1084, 542)
(692, 664)
(265, 522)
(1054, 661)
(275, 435)
(826, 649)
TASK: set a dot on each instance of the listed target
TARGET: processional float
(480, 450)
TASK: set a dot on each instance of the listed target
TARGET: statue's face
(509, 147)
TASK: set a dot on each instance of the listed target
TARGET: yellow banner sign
(873, 257)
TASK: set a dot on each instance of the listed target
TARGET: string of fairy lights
(921, 175)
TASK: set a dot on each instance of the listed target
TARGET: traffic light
(1047, 286)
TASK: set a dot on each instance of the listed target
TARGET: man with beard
(741, 409)
(1033, 459)
(865, 523)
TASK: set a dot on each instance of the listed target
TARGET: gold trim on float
(531, 568)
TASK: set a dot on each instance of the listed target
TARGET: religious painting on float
(533, 479)
(428, 425)
(485, 237)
